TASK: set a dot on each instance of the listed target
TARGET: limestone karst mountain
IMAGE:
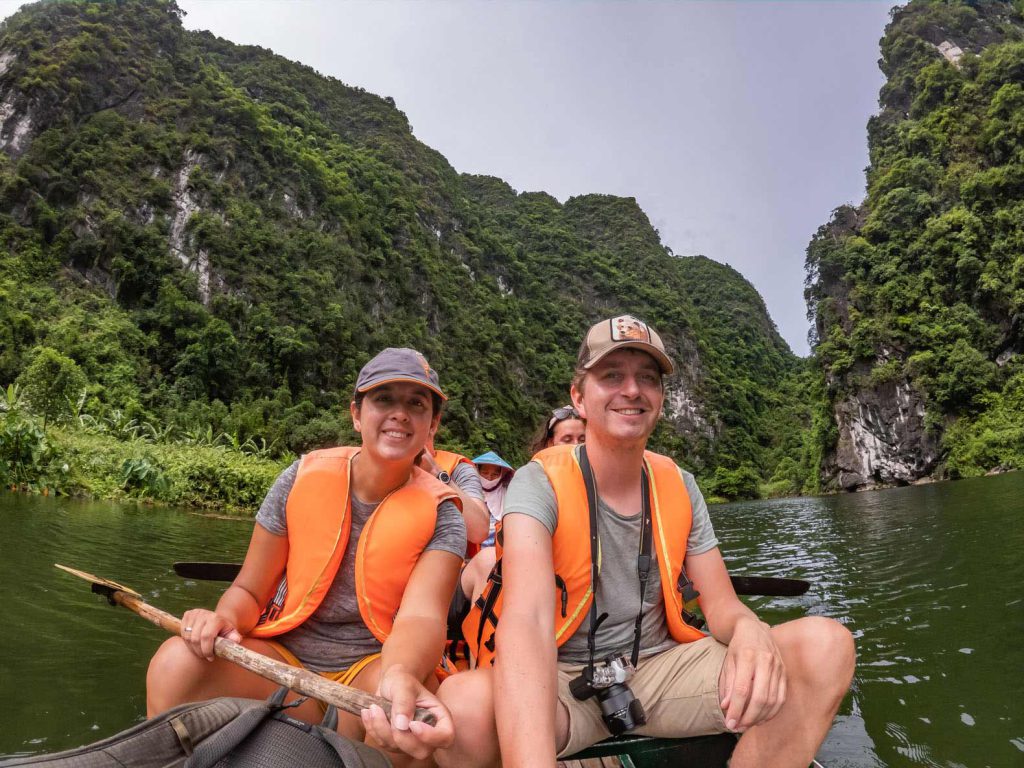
(219, 236)
(918, 295)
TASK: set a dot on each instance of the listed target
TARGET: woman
(369, 546)
(565, 427)
(495, 475)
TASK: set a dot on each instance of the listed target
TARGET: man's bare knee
(822, 654)
(469, 696)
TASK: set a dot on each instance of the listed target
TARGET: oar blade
(97, 580)
(769, 586)
(207, 571)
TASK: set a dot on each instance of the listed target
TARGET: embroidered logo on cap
(628, 328)
(425, 364)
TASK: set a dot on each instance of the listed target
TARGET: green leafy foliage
(142, 476)
(52, 384)
(733, 484)
(220, 238)
(993, 440)
(924, 282)
(28, 459)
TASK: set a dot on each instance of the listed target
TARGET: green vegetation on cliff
(923, 285)
(219, 238)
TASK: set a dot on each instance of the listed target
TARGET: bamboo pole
(302, 681)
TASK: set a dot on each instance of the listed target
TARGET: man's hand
(752, 686)
(403, 733)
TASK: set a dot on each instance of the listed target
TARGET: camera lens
(637, 713)
(620, 709)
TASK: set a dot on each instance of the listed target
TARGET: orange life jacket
(671, 517)
(448, 461)
(319, 519)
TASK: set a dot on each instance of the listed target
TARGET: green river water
(928, 578)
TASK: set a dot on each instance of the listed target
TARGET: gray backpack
(220, 733)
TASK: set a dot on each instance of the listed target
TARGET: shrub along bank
(79, 458)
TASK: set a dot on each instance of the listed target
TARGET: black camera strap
(643, 561)
(595, 556)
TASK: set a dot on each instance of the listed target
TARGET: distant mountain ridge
(217, 235)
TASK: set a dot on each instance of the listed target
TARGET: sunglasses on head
(561, 414)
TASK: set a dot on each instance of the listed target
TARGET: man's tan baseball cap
(621, 332)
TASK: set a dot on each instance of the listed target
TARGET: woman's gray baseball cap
(398, 364)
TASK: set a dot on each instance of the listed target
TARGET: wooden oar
(300, 680)
(769, 586)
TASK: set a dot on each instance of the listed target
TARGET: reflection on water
(927, 578)
(72, 668)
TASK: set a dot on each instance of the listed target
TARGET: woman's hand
(403, 733)
(200, 628)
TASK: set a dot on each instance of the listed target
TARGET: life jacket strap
(276, 604)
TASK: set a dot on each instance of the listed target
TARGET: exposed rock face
(952, 52)
(15, 125)
(682, 405)
(882, 438)
(185, 205)
(683, 410)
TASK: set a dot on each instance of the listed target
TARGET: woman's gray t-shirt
(335, 636)
(618, 589)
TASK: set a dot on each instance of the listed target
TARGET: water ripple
(927, 580)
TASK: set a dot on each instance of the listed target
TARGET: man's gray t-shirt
(618, 589)
(335, 636)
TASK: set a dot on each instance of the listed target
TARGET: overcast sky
(737, 126)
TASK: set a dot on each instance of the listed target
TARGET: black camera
(621, 711)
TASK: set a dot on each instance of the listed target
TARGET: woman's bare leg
(176, 676)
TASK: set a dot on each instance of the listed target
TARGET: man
(779, 687)
(460, 474)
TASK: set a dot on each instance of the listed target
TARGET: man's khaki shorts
(678, 688)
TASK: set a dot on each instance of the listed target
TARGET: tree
(733, 484)
(52, 383)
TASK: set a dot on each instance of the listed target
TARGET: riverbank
(77, 462)
(112, 461)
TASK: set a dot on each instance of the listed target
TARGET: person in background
(495, 475)
(564, 427)
(352, 563)
(606, 548)
(460, 474)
